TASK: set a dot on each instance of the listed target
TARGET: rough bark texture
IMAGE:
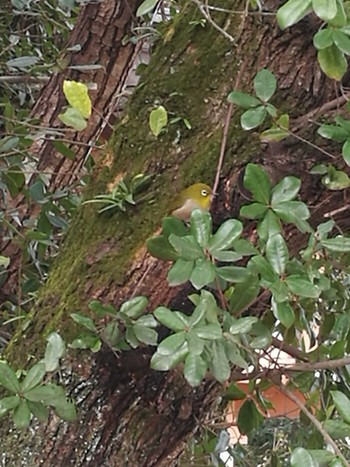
(128, 414)
(100, 30)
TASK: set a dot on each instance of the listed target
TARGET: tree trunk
(129, 414)
(100, 31)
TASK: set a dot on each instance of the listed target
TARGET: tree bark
(129, 414)
(100, 31)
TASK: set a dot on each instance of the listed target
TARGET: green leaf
(86, 341)
(332, 62)
(14, 179)
(211, 331)
(269, 226)
(167, 362)
(244, 247)
(253, 211)
(145, 334)
(160, 247)
(292, 12)
(22, 415)
(195, 369)
(274, 134)
(338, 244)
(334, 132)
(244, 294)
(78, 97)
(146, 7)
(233, 273)
(34, 376)
(203, 273)
(186, 247)
(84, 321)
(39, 410)
(55, 349)
(64, 149)
(169, 319)
(258, 183)
(234, 393)
(65, 409)
(337, 428)
(158, 119)
(346, 152)
(9, 403)
(264, 268)
(225, 236)
(286, 190)
(342, 41)
(219, 365)
(252, 118)
(301, 285)
(171, 344)
(284, 313)
(265, 85)
(249, 417)
(342, 404)
(340, 18)
(135, 307)
(74, 119)
(246, 101)
(325, 9)
(111, 334)
(200, 227)
(301, 458)
(8, 378)
(323, 39)
(173, 225)
(243, 325)
(180, 272)
(277, 253)
(336, 179)
(47, 393)
(226, 256)
(22, 62)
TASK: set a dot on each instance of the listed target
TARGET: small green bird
(197, 196)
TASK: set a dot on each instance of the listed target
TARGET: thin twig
(211, 21)
(289, 349)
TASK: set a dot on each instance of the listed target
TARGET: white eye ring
(204, 193)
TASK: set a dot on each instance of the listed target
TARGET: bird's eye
(204, 193)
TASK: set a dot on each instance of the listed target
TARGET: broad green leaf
(4, 261)
(74, 119)
(34, 376)
(86, 341)
(336, 179)
(332, 62)
(269, 226)
(244, 247)
(168, 318)
(55, 349)
(301, 285)
(252, 118)
(9, 403)
(39, 410)
(226, 256)
(249, 417)
(323, 39)
(146, 7)
(160, 247)
(264, 268)
(195, 369)
(161, 362)
(186, 247)
(335, 132)
(277, 253)
(65, 409)
(130, 337)
(201, 227)
(22, 415)
(111, 334)
(265, 85)
(171, 344)
(147, 320)
(262, 338)
(23, 62)
(197, 317)
(84, 321)
(253, 211)
(342, 41)
(284, 313)
(47, 393)
(243, 325)
(274, 134)
(322, 456)
(338, 244)
(286, 190)
(78, 97)
(234, 393)
(135, 307)
(195, 344)
(340, 18)
(203, 273)
(246, 101)
(146, 335)
(64, 149)
(180, 272)
(14, 179)
(337, 428)
(325, 9)
(225, 236)
(219, 365)
(209, 331)
(244, 294)
(258, 183)
(292, 12)
(279, 291)
(346, 152)
(173, 225)
(158, 119)
(233, 273)
(342, 404)
(8, 378)
(301, 458)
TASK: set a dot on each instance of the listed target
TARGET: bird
(196, 196)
